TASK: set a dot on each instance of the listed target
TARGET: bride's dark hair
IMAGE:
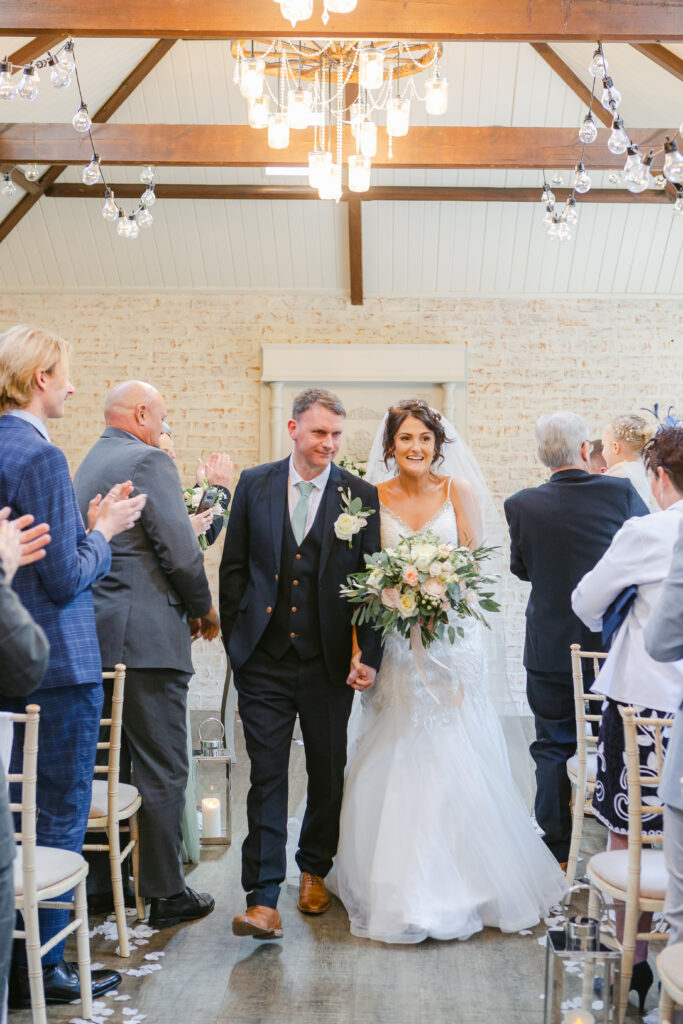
(396, 416)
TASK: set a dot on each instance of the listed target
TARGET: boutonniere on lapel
(353, 518)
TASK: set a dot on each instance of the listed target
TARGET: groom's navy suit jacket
(250, 565)
(558, 532)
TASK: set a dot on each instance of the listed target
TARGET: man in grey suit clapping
(154, 601)
(664, 642)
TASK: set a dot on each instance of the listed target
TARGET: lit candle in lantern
(579, 1017)
(211, 817)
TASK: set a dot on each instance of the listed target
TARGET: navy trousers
(67, 742)
(551, 699)
(271, 692)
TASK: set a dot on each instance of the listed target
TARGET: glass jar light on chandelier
(325, 84)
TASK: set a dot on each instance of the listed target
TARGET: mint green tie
(300, 513)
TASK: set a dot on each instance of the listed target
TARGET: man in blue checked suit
(34, 478)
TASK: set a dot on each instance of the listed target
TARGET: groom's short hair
(316, 396)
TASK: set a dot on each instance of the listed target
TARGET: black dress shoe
(188, 905)
(61, 984)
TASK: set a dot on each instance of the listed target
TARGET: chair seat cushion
(52, 866)
(98, 808)
(591, 767)
(670, 965)
(612, 867)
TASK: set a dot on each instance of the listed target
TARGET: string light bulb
(618, 141)
(569, 214)
(110, 210)
(133, 229)
(123, 225)
(81, 120)
(147, 175)
(31, 172)
(547, 196)
(144, 217)
(67, 59)
(7, 88)
(678, 205)
(8, 188)
(59, 76)
(611, 97)
(28, 88)
(588, 131)
(148, 196)
(91, 173)
(548, 215)
(673, 162)
(582, 181)
(598, 65)
(636, 172)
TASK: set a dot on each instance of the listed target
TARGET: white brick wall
(527, 356)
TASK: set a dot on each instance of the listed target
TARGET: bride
(435, 838)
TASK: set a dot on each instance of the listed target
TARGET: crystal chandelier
(311, 92)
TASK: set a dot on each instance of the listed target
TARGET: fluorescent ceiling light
(289, 172)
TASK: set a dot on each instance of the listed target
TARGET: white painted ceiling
(408, 247)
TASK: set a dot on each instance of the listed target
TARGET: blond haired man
(35, 479)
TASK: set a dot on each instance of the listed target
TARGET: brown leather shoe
(261, 922)
(313, 896)
(563, 864)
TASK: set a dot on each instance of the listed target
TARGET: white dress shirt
(293, 492)
(637, 474)
(21, 414)
(640, 555)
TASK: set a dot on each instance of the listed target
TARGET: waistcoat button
(269, 609)
(298, 557)
(293, 608)
(292, 635)
(295, 583)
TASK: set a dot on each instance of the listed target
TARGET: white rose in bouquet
(434, 588)
(375, 579)
(444, 550)
(439, 568)
(423, 555)
(407, 604)
(196, 498)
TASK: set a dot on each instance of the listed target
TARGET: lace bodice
(443, 523)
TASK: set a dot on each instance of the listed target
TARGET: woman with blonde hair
(623, 441)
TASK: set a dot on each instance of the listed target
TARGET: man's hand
(217, 470)
(201, 521)
(207, 626)
(361, 677)
(20, 542)
(117, 511)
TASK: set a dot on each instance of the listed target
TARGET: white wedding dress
(435, 839)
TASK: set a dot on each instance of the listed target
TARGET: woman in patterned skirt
(640, 556)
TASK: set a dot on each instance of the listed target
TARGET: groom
(289, 637)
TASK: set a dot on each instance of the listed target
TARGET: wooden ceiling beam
(511, 20)
(664, 58)
(562, 69)
(38, 47)
(234, 145)
(378, 193)
(109, 107)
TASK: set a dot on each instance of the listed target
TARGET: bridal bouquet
(417, 584)
(193, 497)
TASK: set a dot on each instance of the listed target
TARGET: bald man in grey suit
(664, 642)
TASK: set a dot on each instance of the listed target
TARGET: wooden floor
(318, 973)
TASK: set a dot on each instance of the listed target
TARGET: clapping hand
(21, 543)
(217, 470)
(117, 511)
(361, 677)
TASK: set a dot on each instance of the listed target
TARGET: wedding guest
(640, 555)
(622, 445)
(558, 531)
(217, 471)
(597, 459)
(154, 600)
(664, 642)
(35, 479)
(24, 653)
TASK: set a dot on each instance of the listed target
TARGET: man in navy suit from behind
(34, 478)
(558, 532)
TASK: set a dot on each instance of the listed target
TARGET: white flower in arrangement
(423, 555)
(403, 550)
(347, 526)
(438, 568)
(434, 588)
(444, 550)
(375, 579)
(407, 604)
(410, 575)
(195, 499)
(471, 597)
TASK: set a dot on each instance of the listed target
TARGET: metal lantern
(212, 787)
(581, 973)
